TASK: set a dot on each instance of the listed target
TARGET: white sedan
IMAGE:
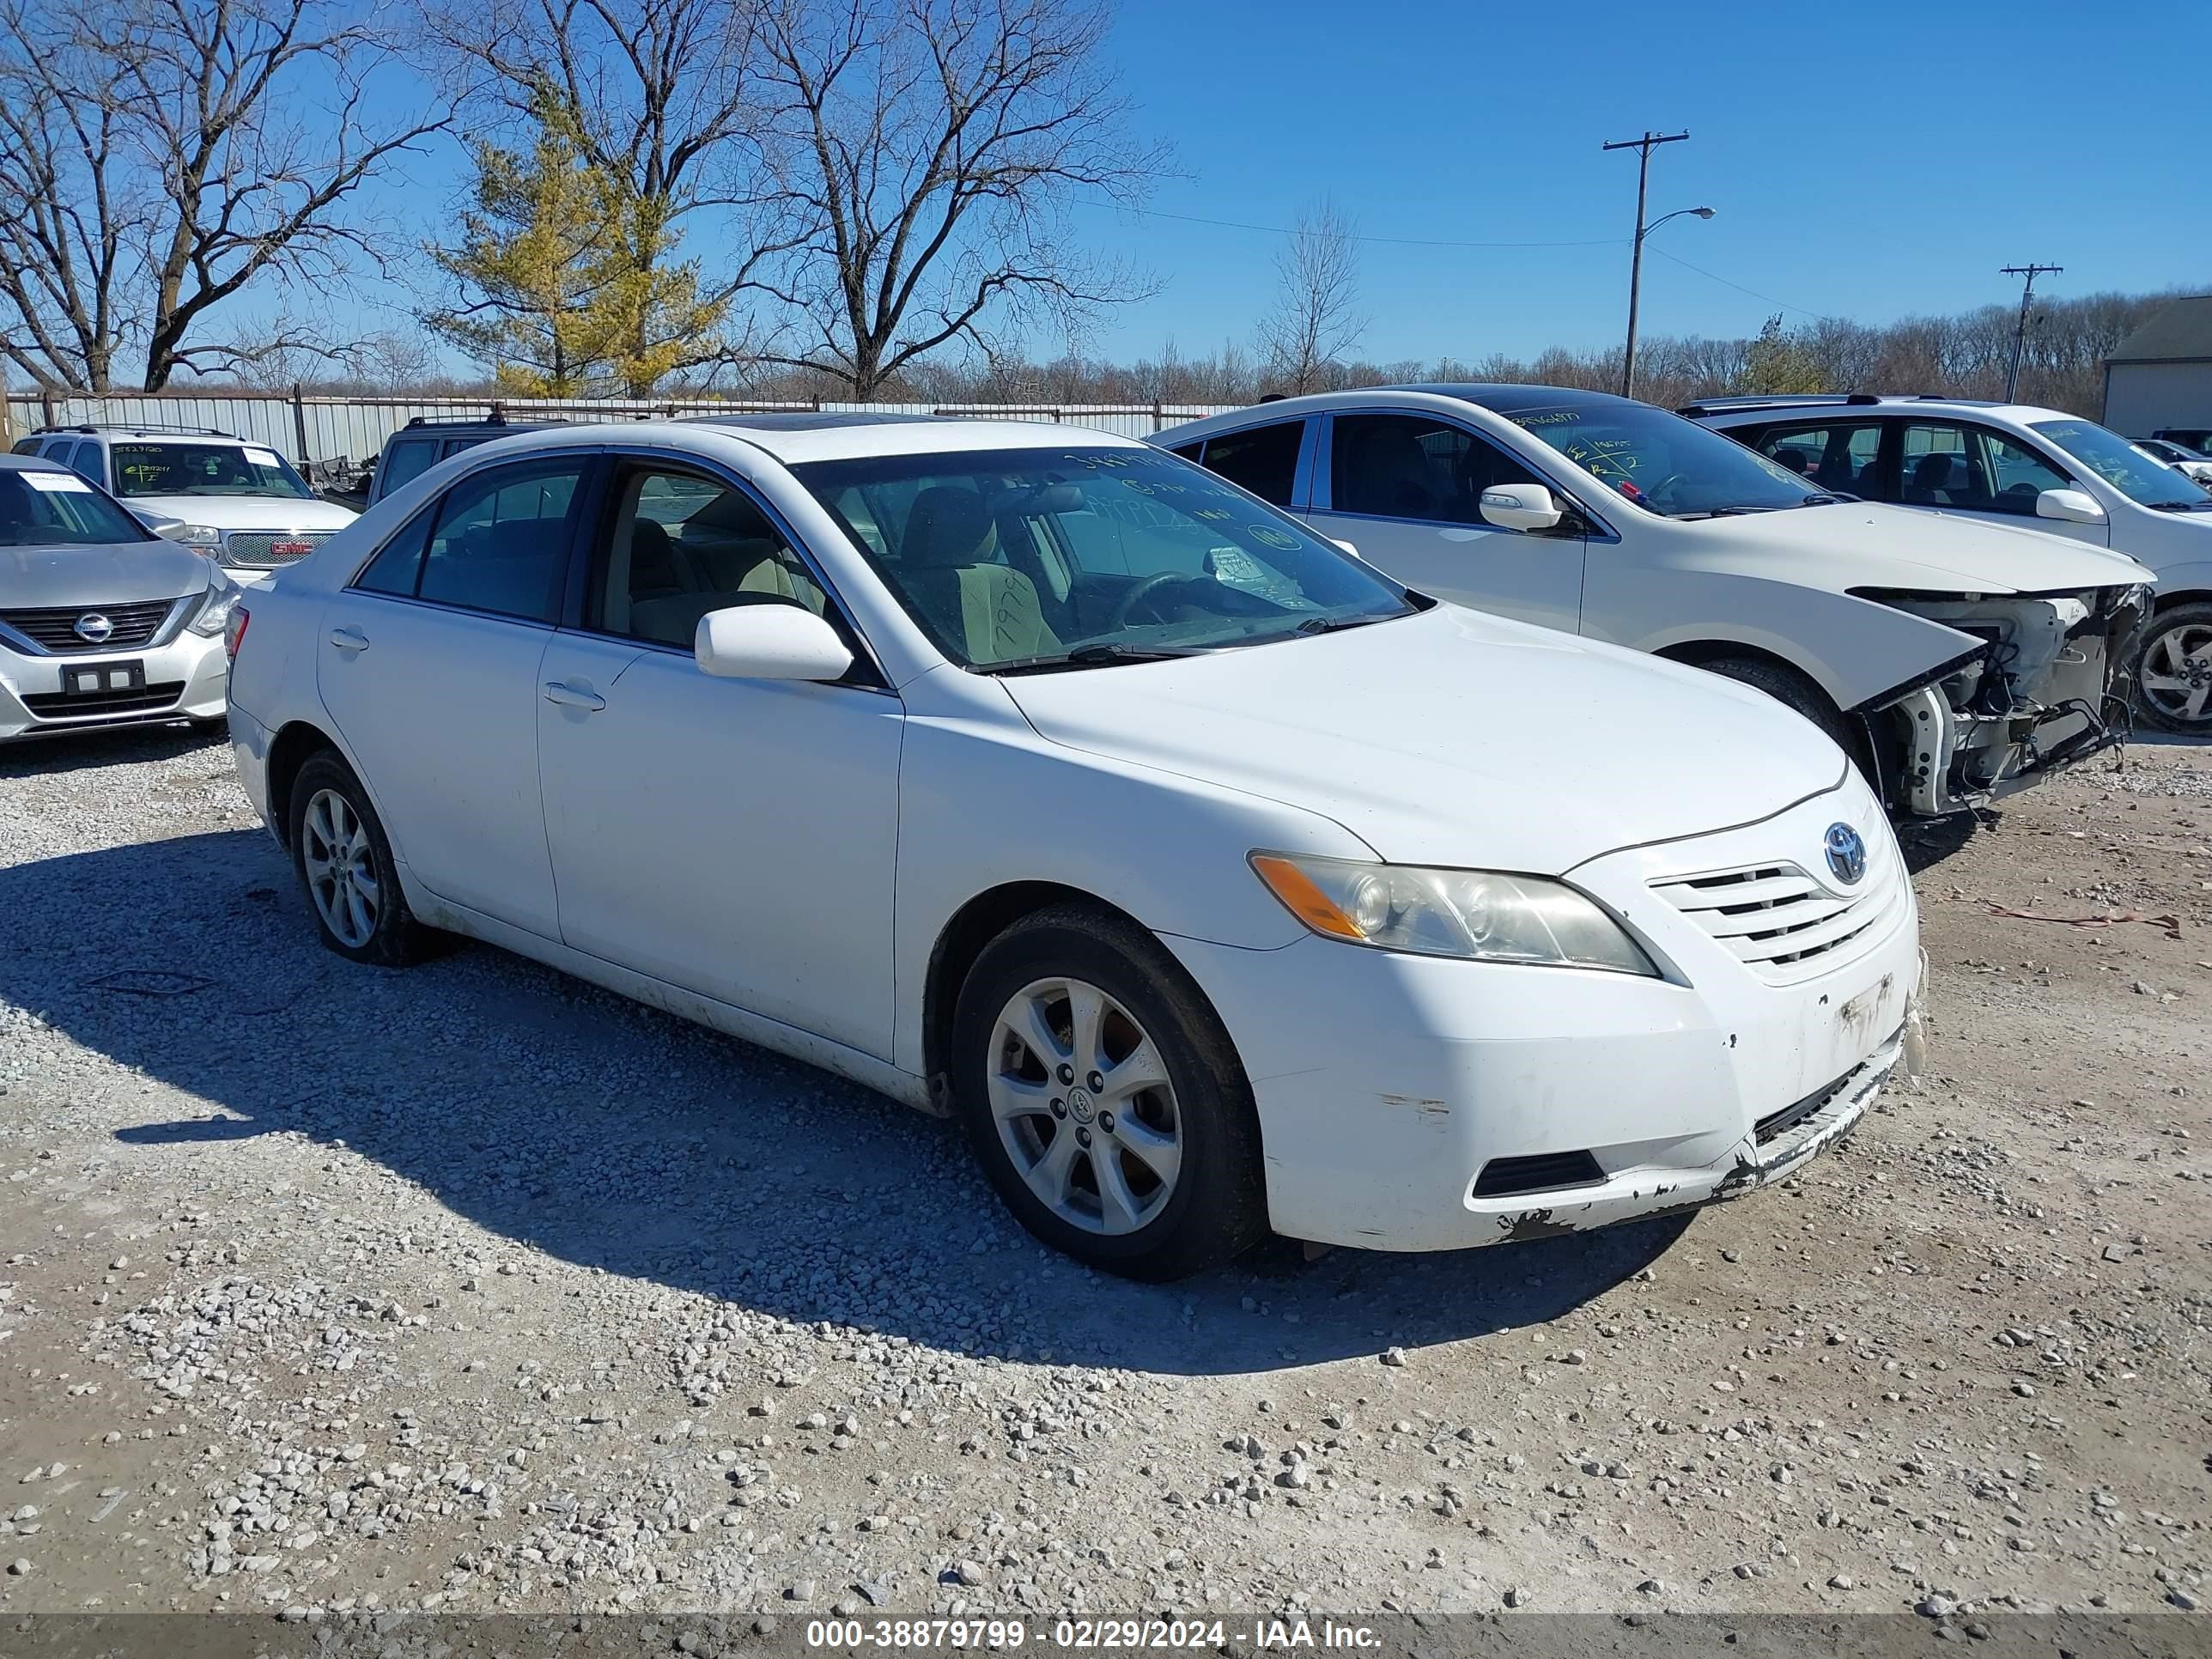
(1216, 883)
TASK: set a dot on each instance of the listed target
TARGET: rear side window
(496, 543)
(1842, 455)
(1263, 460)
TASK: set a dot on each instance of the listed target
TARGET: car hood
(1857, 544)
(114, 572)
(249, 512)
(1453, 737)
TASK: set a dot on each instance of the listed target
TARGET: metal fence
(325, 434)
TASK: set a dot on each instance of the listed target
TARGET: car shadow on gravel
(572, 1122)
(85, 752)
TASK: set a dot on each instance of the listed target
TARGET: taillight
(233, 631)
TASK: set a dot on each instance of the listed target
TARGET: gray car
(102, 623)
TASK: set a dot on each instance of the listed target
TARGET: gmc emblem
(291, 550)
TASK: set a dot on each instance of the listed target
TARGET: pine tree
(567, 284)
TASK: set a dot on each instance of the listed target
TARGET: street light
(1636, 281)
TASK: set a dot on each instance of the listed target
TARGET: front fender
(2184, 583)
(980, 808)
(1853, 649)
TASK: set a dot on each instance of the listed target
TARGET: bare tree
(1316, 319)
(205, 146)
(930, 149)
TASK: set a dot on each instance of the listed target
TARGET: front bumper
(186, 678)
(1416, 1104)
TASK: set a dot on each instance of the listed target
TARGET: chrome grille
(54, 628)
(1785, 924)
(271, 547)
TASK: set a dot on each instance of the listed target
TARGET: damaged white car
(1957, 661)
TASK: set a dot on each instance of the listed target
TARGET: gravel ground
(474, 1288)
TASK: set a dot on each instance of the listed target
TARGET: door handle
(570, 696)
(348, 639)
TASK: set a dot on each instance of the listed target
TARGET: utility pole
(1645, 145)
(2020, 334)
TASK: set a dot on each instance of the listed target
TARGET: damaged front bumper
(2045, 686)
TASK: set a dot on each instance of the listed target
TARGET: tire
(2174, 670)
(1213, 1205)
(1788, 687)
(345, 868)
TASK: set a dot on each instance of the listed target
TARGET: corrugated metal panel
(354, 428)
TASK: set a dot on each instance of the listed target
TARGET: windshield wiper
(1338, 624)
(2180, 507)
(1097, 654)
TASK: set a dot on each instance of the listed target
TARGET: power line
(1715, 276)
(1394, 241)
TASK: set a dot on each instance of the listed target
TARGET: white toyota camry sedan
(1215, 882)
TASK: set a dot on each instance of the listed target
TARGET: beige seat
(987, 610)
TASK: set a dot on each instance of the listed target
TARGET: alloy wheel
(2177, 673)
(1084, 1106)
(341, 865)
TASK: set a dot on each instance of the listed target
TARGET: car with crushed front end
(102, 622)
(1967, 462)
(1216, 883)
(1957, 663)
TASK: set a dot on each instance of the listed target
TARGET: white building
(2161, 375)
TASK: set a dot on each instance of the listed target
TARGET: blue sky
(1871, 160)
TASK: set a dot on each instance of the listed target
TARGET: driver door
(1406, 490)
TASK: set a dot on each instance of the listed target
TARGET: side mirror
(1350, 547)
(1521, 507)
(2069, 506)
(769, 641)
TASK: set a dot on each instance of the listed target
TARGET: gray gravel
(471, 1287)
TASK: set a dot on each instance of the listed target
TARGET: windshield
(190, 468)
(44, 508)
(1666, 464)
(1039, 558)
(2119, 464)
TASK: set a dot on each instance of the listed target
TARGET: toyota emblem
(1846, 851)
(93, 627)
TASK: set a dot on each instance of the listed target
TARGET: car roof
(799, 437)
(124, 429)
(13, 463)
(1743, 411)
(1500, 398)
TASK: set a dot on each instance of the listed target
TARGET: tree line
(761, 199)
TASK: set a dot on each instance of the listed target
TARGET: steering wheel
(1144, 590)
(1656, 494)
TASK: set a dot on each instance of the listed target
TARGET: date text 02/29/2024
(1081, 1635)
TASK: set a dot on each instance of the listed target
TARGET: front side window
(497, 543)
(1411, 466)
(1043, 558)
(2113, 458)
(1949, 464)
(1840, 455)
(168, 467)
(43, 506)
(682, 545)
(1263, 460)
(404, 462)
(1665, 463)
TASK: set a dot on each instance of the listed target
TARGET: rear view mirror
(1523, 507)
(2069, 506)
(770, 641)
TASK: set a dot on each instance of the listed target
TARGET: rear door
(428, 663)
(1405, 489)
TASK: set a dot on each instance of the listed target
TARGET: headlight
(203, 537)
(1477, 914)
(214, 610)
